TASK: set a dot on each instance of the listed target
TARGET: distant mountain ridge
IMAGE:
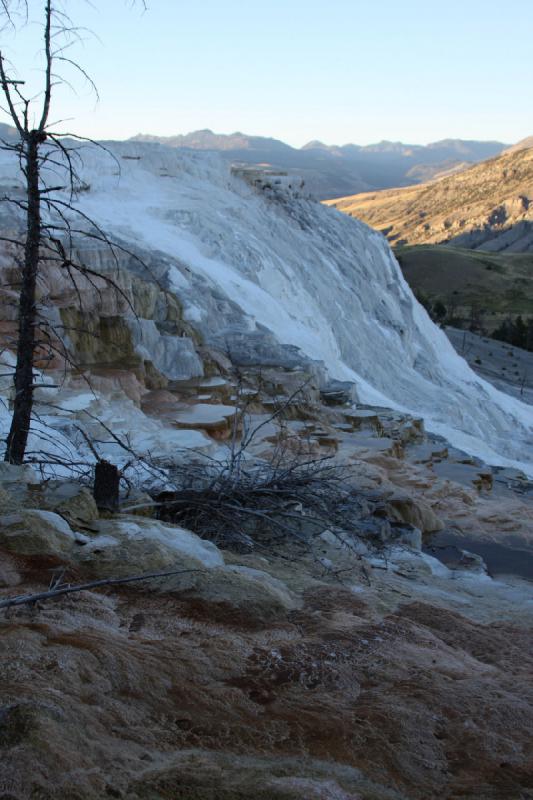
(333, 170)
(488, 206)
(207, 140)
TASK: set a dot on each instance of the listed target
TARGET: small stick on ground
(29, 599)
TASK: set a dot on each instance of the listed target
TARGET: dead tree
(50, 220)
(28, 149)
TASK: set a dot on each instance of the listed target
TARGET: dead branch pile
(243, 503)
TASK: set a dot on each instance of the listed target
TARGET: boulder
(35, 532)
(15, 473)
(135, 545)
(69, 499)
(72, 501)
(255, 594)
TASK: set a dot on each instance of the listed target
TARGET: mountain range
(332, 171)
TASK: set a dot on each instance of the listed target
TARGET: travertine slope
(270, 279)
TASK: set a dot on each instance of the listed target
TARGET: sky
(338, 71)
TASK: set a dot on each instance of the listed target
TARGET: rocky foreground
(360, 668)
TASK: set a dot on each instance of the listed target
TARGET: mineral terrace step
(207, 417)
(362, 419)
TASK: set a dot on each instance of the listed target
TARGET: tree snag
(106, 486)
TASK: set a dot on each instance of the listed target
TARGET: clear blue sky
(340, 71)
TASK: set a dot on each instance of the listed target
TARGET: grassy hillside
(493, 285)
(487, 206)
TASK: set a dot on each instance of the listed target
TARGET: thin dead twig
(29, 599)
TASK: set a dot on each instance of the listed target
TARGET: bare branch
(48, 70)
(30, 599)
(7, 93)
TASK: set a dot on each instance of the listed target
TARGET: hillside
(487, 206)
(331, 171)
(493, 286)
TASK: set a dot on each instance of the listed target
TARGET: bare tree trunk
(23, 402)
